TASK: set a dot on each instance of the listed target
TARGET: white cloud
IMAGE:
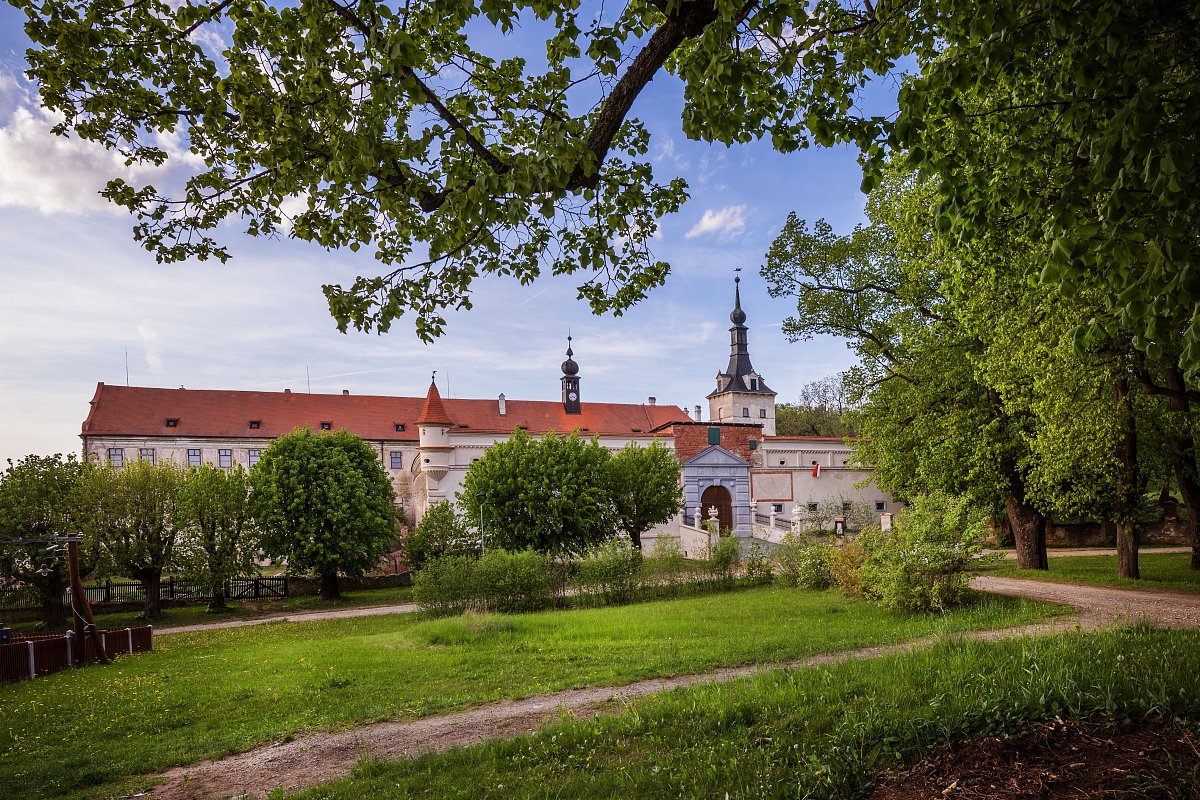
(725, 223)
(53, 174)
(152, 345)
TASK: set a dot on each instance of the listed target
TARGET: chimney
(698, 414)
(287, 391)
(345, 392)
(503, 411)
(653, 400)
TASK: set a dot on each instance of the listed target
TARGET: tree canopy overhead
(412, 129)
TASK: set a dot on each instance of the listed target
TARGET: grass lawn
(821, 732)
(174, 616)
(206, 694)
(1159, 571)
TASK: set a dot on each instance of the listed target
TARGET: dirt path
(295, 616)
(408, 608)
(1011, 555)
(322, 757)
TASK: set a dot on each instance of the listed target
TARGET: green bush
(609, 572)
(802, 561)
(446, 585)
(846, 562)
(925, 562)
(758, 564)
(441, 532)
(512, 581)
(724, 558)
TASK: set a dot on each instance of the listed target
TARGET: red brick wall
(691, 439)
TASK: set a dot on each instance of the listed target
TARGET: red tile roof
(432, 411)
(204, 413)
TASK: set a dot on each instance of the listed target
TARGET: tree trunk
(151, 581)
(1128, 486)
(1029, 531)
(1187, 472)
(216, 600)
(329, 586)
(636, 540)
(54, 616)
(1127, 550)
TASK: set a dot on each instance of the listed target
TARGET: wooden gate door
(718, 496)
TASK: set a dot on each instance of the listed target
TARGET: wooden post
(80, 608)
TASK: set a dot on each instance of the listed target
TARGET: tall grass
(814, 733)
(203, 695)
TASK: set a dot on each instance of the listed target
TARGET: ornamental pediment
(716, 456)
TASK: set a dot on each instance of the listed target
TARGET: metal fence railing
(169, 589)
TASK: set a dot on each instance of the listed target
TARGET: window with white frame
(146, 454)
(195, 458)
(255, 452)
(397, 459)
(224, 459)
(880, 505)
(116, 457)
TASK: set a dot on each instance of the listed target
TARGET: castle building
(733, 465)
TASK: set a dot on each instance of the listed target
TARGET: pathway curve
(408, 608)
(295, 616)
(322, 757)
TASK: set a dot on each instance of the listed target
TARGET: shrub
(446, 585)
(512, 581)
(609, 571)
(440, 532)
(926, 561)
(846, 562)
(758, 564)
(802, 561)
(723, 559)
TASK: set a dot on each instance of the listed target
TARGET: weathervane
(737, 278)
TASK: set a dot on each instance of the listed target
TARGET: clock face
(572, 396)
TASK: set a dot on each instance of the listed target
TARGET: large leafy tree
(131, 516)
(36, 502)
(927, 424)
(407, 128)
(324, 503)
(219, 540)
(645, 489)
(551, 494)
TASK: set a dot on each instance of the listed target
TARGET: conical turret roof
(433, 412)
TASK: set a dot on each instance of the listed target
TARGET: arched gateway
(717, 497)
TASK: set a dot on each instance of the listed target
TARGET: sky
(81, 303)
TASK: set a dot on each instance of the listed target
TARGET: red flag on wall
(816, 470)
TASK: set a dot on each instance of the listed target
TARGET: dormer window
(754, 384)
(399, 427)
(326, 426)
(172, 422)
(255, 424)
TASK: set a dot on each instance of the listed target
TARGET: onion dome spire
(737, 316)
(569, 367)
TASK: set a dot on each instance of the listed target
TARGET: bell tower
(570, 382)
(741, 395)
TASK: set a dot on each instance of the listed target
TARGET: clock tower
(570, 382)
